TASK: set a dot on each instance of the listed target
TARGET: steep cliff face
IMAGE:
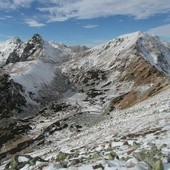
(10, 96)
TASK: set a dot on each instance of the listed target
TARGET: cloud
(87, 9)
(22, 3)
(163, 30)
(14, 4)
(6, 17)
(5, 4)
(2, 18)
(34, 23)
(90, 26)
(62, 10)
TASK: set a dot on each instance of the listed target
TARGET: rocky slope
(123, 71)
(102, 108)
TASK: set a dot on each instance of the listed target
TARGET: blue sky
(88, 22)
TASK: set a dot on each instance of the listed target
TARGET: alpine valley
(79, 108)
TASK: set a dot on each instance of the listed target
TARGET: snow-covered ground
(126, 133)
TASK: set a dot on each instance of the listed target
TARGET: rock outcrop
(11, 99)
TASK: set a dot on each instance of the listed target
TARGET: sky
(83, 22)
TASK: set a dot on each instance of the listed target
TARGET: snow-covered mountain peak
(126, 47)
(14, 40)
(37, 37)
(34, 64)
(134, 36)
(35, 40)
(8, 47)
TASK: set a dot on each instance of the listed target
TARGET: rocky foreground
(135, 138)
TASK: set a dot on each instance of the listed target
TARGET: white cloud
(87, 9)
(34, 23)
(90, 26)
(6, 17)
(5, 4)
(22, 3)
(163, 30)
(2, 18)
(14, 4)
(62, 10)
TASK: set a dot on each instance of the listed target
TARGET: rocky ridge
(124, 71)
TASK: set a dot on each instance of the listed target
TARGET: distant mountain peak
(36, 38)
(78, 48)
(12, 41)
(16, 40)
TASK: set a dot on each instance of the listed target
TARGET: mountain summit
(75, 106)
(125, 70)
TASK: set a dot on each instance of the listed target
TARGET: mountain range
(79, 107)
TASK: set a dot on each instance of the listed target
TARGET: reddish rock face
(142, 73)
